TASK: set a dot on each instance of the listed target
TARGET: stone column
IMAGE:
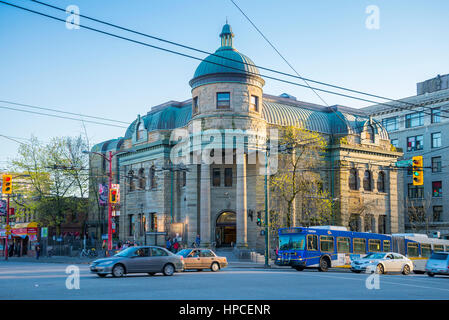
(241, 204)
(191, 218)
(205, 205)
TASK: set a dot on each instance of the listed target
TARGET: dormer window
(140, 132)
(254, 104)
(223, 100)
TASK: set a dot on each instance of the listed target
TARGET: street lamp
(109, 159)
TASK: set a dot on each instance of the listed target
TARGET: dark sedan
(142, 259)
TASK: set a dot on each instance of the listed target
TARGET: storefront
(22, 239)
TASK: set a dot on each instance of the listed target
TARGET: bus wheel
(299, 268)
(324, 264)
(430, 274)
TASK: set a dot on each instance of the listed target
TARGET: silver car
(382, 262)
(142, 259)
(438, 263)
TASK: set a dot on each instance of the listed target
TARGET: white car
(382, 262)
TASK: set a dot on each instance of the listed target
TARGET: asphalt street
(41, 281)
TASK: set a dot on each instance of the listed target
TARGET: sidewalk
(54, 259)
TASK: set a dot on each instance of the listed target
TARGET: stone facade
(220, 200)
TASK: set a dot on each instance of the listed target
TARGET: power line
(60, 111)
(199, 59)
(227, 58)
(62, 117)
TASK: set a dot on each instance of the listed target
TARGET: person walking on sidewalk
(38, 250)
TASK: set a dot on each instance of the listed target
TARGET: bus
(323, 247)
(418, 248)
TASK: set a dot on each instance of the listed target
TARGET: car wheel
(324, 264)
(299, 268)
(118, 271)
(430, 274)
(406, 270)
(380, 269)
(101, 275)
(168, 270)
(151, 273)
(215, 267)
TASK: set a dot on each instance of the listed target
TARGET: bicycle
(88, 253)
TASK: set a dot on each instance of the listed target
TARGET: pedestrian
(175, 246)
(168, 244)
(38, 250)
(198, 240)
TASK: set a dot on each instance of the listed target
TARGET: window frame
(364, 245)
(390, 124)
(327, 241)
(435, 115)
(428, 247)
(195, 108)
(378, 242)
(438, 166)
(415, 116)
(439, 194)
(226, 177)
(214, 177)
(339, 240)
(413, 244)
(307, 240)
(389, 245)
(219, 102)
(254, 106)
(414, 140)
(433, 140)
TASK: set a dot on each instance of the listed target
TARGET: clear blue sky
(44, 64)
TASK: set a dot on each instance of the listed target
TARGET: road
(41, 281)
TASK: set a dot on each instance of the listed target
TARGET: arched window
(132, 185)
(142, 179)
(152, 177)
(353, 179)
(381, 182)
(367, 181)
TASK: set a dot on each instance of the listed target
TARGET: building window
(415, 192)
(437, 211)
(436, 115)
(353, 179)
(436, 140)
(223, 100)
(142, 180)
(436, 164)
(254, 104)
(228, 177)
(216, 177)
(132, 185)
(395, 143)
(415, 143)
(195, 105)
(367, 181)
(152, 177)
(184, 178)
(381, 182)
(414, 119)
(390, 124)
(437, 189)
(382, 224)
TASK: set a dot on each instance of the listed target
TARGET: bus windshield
(292, 241)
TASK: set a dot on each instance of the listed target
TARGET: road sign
(404, 163)
(44, 232)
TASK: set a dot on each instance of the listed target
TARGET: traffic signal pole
(7, 235)
(109, 204)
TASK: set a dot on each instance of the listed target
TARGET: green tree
(298, 177)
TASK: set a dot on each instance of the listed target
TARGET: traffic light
(7, 184)
(259, 218)
(113, 196)
(418, 173)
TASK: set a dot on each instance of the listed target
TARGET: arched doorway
(225, 229)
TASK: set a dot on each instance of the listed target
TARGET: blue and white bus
(324, 247)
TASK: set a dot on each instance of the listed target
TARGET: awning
(25, 225)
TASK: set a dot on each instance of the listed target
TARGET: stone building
(419, 125)
(220, 200)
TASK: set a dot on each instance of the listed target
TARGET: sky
(45, 64)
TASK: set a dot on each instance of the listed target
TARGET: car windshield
(128, 252)
(439, 256)
(375, 256)
(184, 252)
(292, 242)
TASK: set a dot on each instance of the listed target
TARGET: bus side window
(412, 249)
(312, 242)
(359, 245)
(386, 247)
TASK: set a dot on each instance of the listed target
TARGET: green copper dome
(226, 59)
